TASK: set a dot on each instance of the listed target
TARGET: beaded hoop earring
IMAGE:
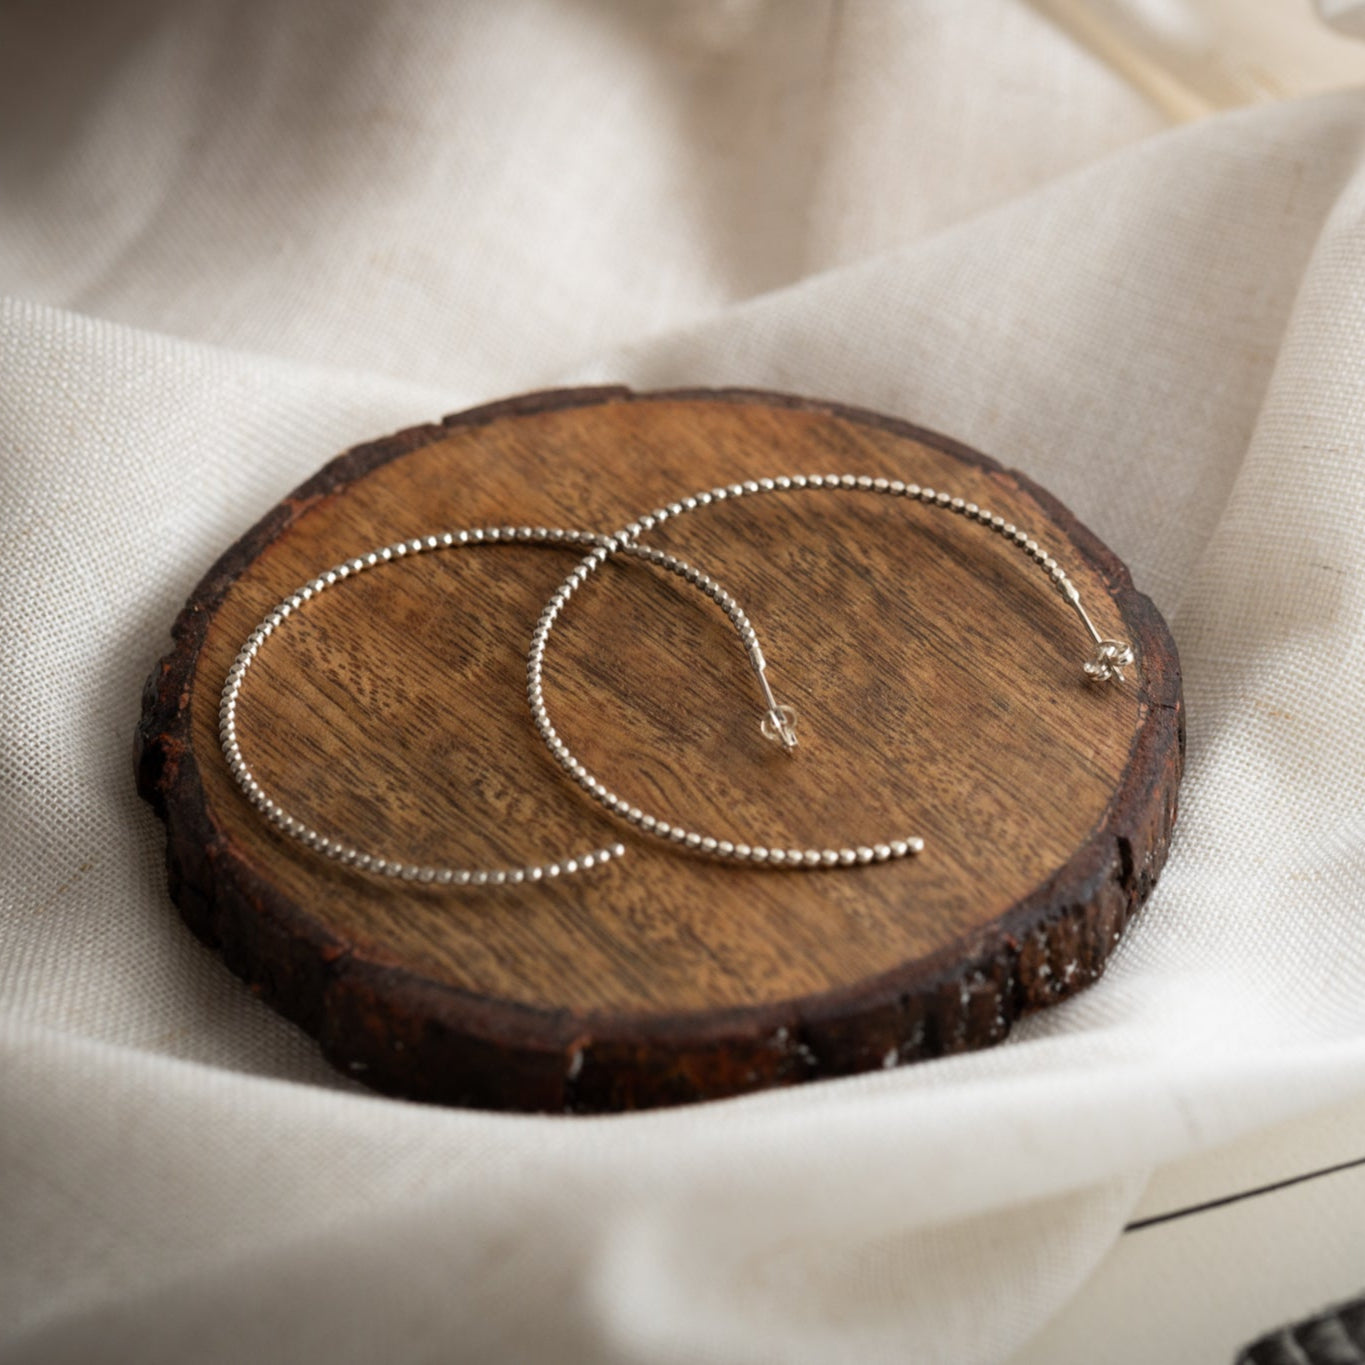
(347, 854)
(1111, 657)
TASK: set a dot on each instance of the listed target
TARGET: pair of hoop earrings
(778, 723)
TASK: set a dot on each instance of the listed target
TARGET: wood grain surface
(939, 687)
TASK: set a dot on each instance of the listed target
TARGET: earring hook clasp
(779, 724)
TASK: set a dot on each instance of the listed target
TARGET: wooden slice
(939, 686)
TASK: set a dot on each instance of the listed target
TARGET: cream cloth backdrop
(239, 237)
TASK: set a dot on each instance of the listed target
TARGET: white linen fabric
(239, 237)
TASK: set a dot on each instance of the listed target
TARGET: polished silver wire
(778, 723)
(343, 852)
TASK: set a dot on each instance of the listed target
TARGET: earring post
(779, 725)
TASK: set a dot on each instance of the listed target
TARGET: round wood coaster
(939, 685)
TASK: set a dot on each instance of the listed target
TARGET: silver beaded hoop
(345, 853)
(1109, 660)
